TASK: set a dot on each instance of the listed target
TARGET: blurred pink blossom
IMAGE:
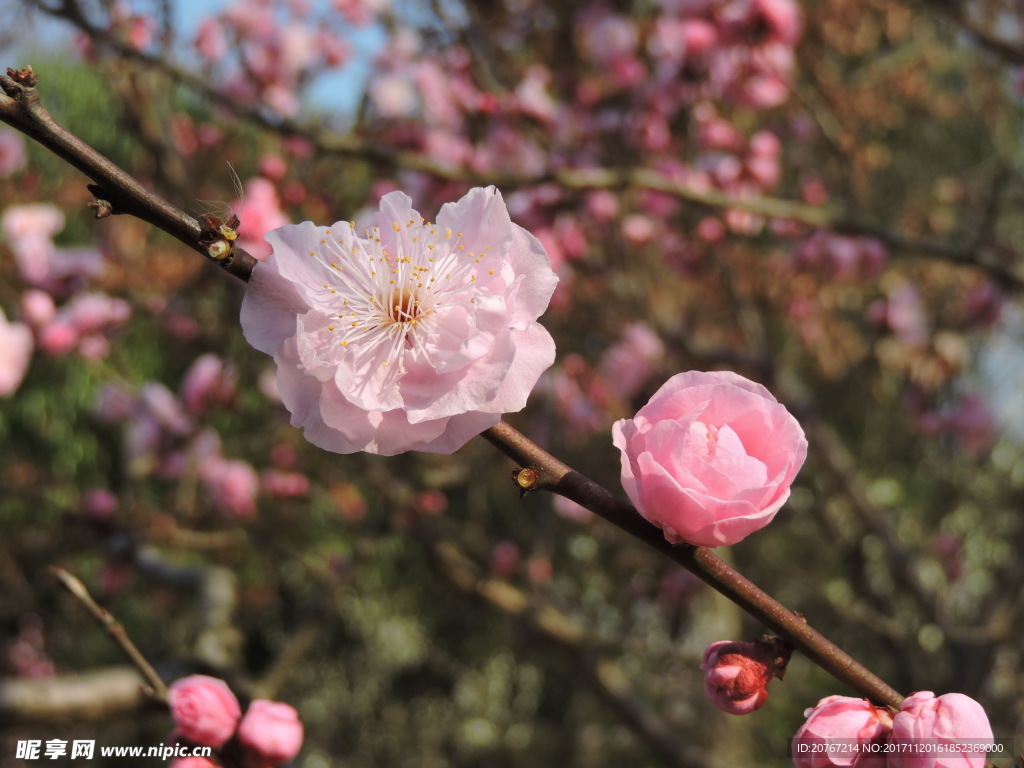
(628, 365)
(230, 484)
(37, 308)
(284, 485)
(15, 354)
(100, 504)
(210, 380)
(13, 154)
(259, 211)
(505, 558)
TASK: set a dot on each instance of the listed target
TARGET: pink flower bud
(270, 733)
(839, 719)
(204, 709)
(927, 722)
(736, 676)
(710, 459)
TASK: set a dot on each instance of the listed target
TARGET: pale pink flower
(838, 722)
(710, 459)
(12, 152)
(736, 676)
(204, 709)
(416, 336)
(15, 354)
(270, 733)
(926, 722)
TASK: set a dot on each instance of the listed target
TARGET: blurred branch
(90, 697)
(553, 625)
(155, 687)
(554, 476)
(119, 192)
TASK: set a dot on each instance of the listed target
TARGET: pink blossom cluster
(266, 55)
(164, 438)
(840, 257)
(29, 231)
(586, 397)
(82, 324)
(25, 656)
(658, 85)
(948, 731)
(206, 713)
(57, 316)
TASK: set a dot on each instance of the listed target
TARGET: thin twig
(155, 687)
(118, 192)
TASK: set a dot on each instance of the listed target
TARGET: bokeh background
(824, 197)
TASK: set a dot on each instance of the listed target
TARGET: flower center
(390, 302)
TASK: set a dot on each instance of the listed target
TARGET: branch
(554, 476)
(156, 688)
(117, 191)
